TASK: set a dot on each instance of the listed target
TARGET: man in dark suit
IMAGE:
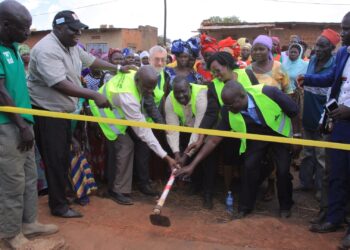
(339, 185)
(258, 109)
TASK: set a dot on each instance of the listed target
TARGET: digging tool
(156, 218)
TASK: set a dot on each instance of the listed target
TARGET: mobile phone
(331, 105)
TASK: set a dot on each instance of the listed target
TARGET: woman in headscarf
(186, 54)
(129, 56)
(208, 47)
(269, 72)
(245, 57)
(137, 60)
(294, 65)
(144, 56)
(276, 48)
(266, 70)
(233, 47)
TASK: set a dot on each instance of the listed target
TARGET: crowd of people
(229, 85)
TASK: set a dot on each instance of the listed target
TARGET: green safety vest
(242, 78)
(273, 115)
(178, 108)
(159, 89)
(120, 83)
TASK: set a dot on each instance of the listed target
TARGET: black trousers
(251, 173)
(53, 137)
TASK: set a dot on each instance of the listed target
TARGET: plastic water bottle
(229, 202)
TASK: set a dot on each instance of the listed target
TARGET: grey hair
(156, 49)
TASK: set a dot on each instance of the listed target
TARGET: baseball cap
(70, 18)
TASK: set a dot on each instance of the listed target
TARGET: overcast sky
(185, 16)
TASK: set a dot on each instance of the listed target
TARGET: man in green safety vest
(259, 110)
(185, 105)
(125, 93)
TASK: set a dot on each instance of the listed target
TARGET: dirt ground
(107, 225)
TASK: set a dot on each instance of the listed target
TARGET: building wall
(308, 33)
(142, 38)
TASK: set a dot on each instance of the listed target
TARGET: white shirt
(132, 111)
(173, 137)
(344, 95)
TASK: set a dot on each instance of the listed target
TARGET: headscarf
(23, 49)
(190, 47)
(230, 45)
(208, 44)
(112, 51)
(278, 48)
(247, 45)
(242, 41)
(144, 54)
(332, 36)
(126, 52)
(295, 68)
(265, 41)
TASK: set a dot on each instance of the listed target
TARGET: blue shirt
(251, 111)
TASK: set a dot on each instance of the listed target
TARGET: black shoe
(325, 227)
(284, 214)
(70, 213)
(147, 190)
(120, 198)
(345, 242)
(208, 201)
(321, 217)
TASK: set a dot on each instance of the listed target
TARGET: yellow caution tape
(231, 134)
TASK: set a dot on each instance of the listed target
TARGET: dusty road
(107, 225)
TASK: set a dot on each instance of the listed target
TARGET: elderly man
(339, 81)
(18, 177)
(313, 169)
(125, 92)
(259, 110)
(54, 84)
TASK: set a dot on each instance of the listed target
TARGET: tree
(161, 40)
(217, 19)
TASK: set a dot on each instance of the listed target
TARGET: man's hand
(27, 139)
(183, 159)
(177, 156)
(101, 101)
(127, 68)
(300, 80)
(196, 145)
(172, 163)
(185, 171)
(342, 112)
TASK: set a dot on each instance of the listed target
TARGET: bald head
(146, 79)
(13, 10)
(15, 22)
(234, 96)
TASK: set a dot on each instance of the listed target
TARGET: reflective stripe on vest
(273, 116)
(178, 108)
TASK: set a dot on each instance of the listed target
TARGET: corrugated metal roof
(244, 26)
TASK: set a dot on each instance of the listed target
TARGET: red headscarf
(208, 43)
(230, 45)
(332, 36)
(112, 51)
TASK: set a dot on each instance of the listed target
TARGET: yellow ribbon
(278, 139)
